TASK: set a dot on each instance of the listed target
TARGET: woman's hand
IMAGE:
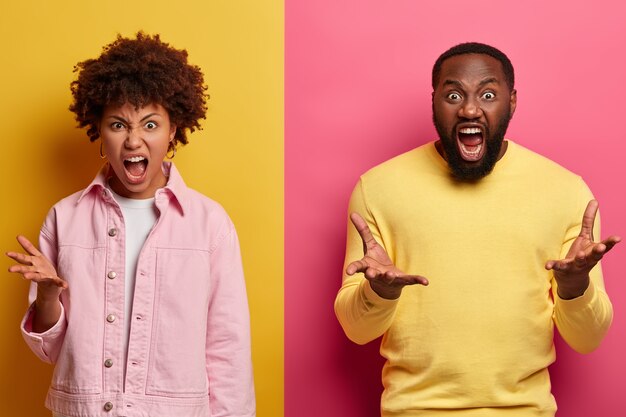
(35, 267)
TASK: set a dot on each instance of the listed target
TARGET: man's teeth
(470, 130)
(135, 159)
(472, 150)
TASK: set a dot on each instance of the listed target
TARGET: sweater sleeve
(362, 313)
(583, 321)
(45, 345)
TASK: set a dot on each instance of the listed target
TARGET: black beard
(461, 169)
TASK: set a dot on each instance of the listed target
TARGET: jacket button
(108, 363)
(108, 406)
(112, 274)
(111, 318)
(112, 231)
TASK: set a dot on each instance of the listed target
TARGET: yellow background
(237, 159)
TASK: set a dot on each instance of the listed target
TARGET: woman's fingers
(28, 246)
(20, 257)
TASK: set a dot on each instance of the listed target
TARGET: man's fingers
(610, 242)
(364, 231)
(589, 217)
(561, 265)
(582, 259)
(373, 273)
(28, 247)
(397, 278)
(597, 252)
(356, 266)
(413, 279)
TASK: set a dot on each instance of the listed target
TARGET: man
(503, 240)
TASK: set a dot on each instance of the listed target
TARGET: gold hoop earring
(102, 156)
(173, 150)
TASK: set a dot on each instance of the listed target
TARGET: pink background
(358, 92)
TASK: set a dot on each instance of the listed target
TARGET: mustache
(482, 125)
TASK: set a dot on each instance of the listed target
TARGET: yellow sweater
(478, 340)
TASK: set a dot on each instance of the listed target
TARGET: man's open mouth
(470, 141)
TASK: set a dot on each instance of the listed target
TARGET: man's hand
(572, 273)
(385, 279)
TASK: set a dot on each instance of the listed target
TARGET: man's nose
(470, 109)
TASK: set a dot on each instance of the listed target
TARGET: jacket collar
(175, 187)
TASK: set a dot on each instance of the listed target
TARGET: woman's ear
(172, 132)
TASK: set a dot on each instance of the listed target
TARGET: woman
(138, 293)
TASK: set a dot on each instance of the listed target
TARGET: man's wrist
(384, 291)
(569, 291)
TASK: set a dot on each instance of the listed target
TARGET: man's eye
(151, 125)
(454, 96)
(489, 95)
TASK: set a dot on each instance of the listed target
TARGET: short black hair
(476, 48)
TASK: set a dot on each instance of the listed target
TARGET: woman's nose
(133, 138)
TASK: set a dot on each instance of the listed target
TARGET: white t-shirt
(139, 218)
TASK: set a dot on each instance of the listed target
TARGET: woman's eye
(117, 126)
(489, 95)
(454, 96)
(151, 125)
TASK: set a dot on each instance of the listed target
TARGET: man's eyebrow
(458, 84)
(453, 83)
(490, 80)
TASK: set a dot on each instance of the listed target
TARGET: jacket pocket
(177, 364)
(79, 366)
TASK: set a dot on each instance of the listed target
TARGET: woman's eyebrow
(149, 116)
(121, 119)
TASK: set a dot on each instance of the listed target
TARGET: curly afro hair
(140, 71)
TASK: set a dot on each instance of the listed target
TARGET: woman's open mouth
(136, 168)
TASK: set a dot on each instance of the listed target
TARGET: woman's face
(135, 141)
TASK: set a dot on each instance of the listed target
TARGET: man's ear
(513, 102)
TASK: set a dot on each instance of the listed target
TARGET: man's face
(472, 107)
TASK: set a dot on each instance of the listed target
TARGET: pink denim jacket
(189, 347)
